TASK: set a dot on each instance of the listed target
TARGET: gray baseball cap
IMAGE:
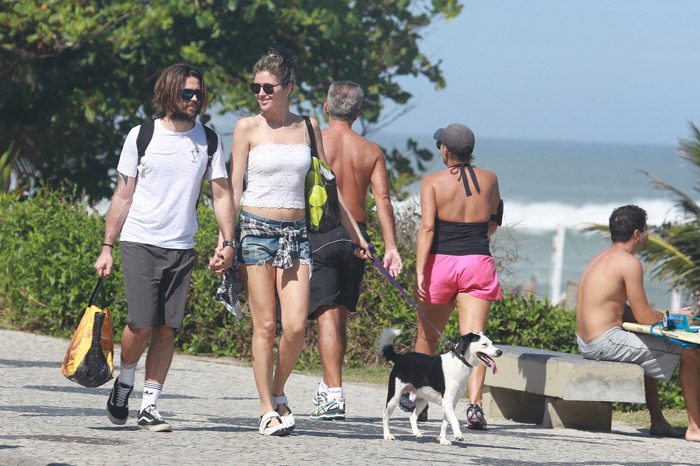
(458, 139)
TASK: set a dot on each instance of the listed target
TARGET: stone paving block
(213, 407)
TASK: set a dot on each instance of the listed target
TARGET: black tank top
(460, 238)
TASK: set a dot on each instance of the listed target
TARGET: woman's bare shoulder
(247, 123)
(244, 133)
(485, 173)
(433, 178)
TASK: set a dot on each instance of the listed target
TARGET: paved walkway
(213, 407)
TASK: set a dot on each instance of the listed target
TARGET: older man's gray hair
(344, 100)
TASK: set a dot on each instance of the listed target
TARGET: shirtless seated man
(611, 291)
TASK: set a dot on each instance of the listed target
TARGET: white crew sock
(334, 393)
(127, 373)
(322, 388)
(151, 392)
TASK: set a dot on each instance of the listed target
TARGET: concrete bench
(559, 389)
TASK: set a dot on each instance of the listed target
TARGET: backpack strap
(212, 146)
(144, 138)
(146, 134)
(212, 143)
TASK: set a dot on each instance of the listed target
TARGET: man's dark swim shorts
(337, 272)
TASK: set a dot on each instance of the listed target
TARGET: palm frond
(667, 262)
(684, 202)
(690, 148)
(598, 228)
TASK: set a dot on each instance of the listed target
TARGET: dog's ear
(465, 341)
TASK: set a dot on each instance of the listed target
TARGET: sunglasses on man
(268, 88)
(438, 143)
(187, 94)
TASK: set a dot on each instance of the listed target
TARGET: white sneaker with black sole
(151, 420)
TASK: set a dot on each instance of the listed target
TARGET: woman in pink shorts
(460, 208)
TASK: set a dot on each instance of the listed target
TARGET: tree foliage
(78, 75)
(673, 251)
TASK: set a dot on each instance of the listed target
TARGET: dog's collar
(458, 356)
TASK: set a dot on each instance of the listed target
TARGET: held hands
(222, 259)
(392, 262)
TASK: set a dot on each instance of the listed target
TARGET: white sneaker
(330, 410)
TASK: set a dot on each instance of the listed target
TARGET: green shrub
(48, 247)
(49, 243)
(524, 321)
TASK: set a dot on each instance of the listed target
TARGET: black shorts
(337, 271)
(156, 281)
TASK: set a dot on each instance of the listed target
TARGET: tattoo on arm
(124, 178)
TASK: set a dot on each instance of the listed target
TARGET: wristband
(229, 242)
(108, 245)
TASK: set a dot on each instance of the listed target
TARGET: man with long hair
(154, 210)
(610, 292)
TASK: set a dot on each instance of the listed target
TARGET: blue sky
(593, 71)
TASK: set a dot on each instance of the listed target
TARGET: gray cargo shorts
(156, 281)
(657, 356)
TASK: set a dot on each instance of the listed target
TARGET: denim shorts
(261, 249)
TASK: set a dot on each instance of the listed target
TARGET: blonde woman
(273, 251)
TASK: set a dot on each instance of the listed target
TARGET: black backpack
(146, 134)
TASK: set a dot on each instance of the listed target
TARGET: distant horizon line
(535, 140)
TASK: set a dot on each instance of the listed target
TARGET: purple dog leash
(393, 281)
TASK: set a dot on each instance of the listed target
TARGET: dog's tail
(386, 343)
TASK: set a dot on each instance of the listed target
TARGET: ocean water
(547, 184)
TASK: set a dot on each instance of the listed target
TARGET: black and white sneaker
(118, 403)
(150, 419)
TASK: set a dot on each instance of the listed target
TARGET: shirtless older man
(611, 291)
(335, 283)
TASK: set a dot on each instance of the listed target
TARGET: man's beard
(183, 113)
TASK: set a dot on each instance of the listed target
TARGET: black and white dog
(441, 379)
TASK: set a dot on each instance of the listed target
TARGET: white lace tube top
(276, 175)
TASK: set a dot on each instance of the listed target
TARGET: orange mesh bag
(89, 357)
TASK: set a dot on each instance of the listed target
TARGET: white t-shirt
(169, 178)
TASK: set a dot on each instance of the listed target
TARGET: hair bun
(288, 57)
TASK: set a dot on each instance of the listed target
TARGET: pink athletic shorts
(445, 276)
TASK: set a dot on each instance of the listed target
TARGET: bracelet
(109, 245)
